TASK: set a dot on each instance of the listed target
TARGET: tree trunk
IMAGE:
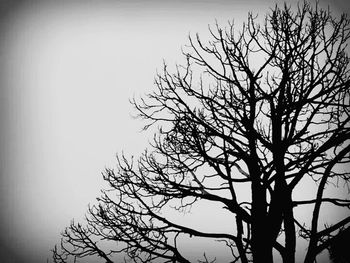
(261, 243)
(289, 229)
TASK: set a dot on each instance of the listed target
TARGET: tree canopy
(255, 123)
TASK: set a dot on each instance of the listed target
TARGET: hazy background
(67, 71)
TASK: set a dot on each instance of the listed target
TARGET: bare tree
(264, 108)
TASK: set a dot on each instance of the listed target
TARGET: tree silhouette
(264, 108)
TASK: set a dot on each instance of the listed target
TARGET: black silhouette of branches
(263, 108)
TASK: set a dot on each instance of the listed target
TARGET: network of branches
(262, 107)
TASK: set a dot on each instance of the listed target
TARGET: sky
(67, 72)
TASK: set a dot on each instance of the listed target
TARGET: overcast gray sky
(68, 69)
